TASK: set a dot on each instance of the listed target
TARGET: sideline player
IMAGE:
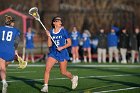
(58, 54)
(9, 38)
(75, 37)
(86, 46)
(30, 44)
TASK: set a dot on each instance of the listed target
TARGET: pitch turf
(93, 78)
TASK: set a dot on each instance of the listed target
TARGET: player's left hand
(60, 48)
(16, 52)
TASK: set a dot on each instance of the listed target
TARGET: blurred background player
(124, 44)
(86, 46)
(134, 45)
(29, 44)
(75, 37)
(9, 38)
(102, 45)
(112, 40)
(138, 38)
(94, 45)
(58, 54)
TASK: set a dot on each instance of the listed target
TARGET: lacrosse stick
(34, 12)
(22, 63)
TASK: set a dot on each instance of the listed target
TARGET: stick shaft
(50, 35)
(24, 49)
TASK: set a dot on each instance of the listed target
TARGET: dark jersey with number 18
(8, 35)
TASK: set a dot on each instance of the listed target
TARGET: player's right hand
(60, 48)
(48, 33)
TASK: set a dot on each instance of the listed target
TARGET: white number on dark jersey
(7, 36)
(57, 42)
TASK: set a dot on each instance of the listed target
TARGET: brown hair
(8, 20)
(56, 18)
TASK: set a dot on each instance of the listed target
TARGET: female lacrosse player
(58, 54)
(30, 44)
(75, 37)
(9, 37)
(86, 45)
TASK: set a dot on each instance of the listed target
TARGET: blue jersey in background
(29, 40)
(75, 37)
(86, 40)
(112, 38)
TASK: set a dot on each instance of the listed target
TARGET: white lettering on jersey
(57, 41)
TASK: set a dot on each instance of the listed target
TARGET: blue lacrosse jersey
(7, 38)
(86, 40)
(29, 40)
(75, 37)
(60, 40)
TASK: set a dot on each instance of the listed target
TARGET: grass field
(93, 78)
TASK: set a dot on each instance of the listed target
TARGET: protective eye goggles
(56, 20)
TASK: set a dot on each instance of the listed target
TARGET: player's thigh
(63, 66)
(85, 49)
(77, 48)
(73, 50)
(2, 63)
(89, 50)
(50, 63)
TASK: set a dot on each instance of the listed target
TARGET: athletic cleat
(4, 87)
(44, 89)
(74, 61)
(74, 81)
(78, 61)
(124, 62)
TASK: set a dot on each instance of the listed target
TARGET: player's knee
(2, 69)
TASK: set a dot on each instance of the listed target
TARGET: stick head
(34, 12)
(22, 63)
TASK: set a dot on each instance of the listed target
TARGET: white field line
(23, 72)
(121, 75)
(35, 71)
(75, 65)
(130, 88)
(11, 69)
(128, 66)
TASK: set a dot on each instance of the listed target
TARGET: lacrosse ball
(34, 14)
